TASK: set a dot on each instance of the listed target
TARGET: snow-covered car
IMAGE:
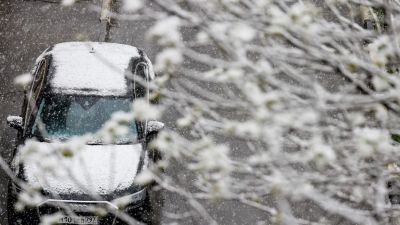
(75, 89)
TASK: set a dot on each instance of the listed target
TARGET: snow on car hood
(97, 169)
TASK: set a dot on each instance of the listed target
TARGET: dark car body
(76, 86)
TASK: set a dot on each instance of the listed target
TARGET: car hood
(93, 170)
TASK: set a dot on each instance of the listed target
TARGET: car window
(67, 116)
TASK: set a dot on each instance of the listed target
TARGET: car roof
(91, 68)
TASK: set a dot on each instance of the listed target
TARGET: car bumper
(106, 211)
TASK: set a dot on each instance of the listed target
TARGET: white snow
(96, 68)
(242, 32)
(132, 5)
(101, 169)
(168, 58)
(145, 111)
(380, 50)
(29, 197)
(166, 32)
(14, 119)
(51, 219)
(380, 84)
(23, 80)
(145, 177)
(371, 140)
(67, 2)
(219, 29)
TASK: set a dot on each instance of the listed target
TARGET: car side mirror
(15, 122)
(154, 126)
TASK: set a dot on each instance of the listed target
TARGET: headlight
(131, 199)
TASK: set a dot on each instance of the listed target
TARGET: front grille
(79, 208)
(105, 210)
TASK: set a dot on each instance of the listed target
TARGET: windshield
(66, 116)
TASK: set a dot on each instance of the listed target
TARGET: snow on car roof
(91, 68)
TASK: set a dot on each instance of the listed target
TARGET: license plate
(79, 220)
